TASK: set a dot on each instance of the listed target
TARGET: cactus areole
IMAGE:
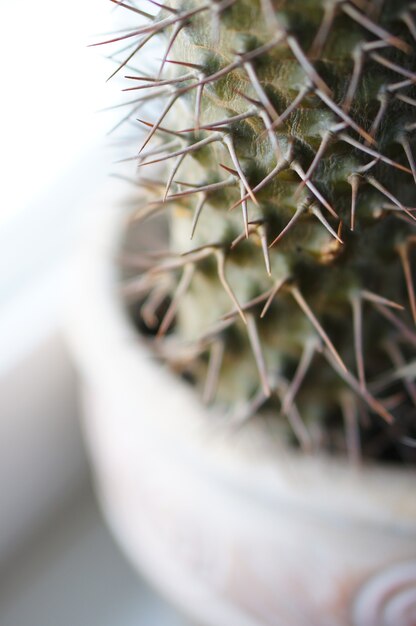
(286, 129)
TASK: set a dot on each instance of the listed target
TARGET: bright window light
(52, 86)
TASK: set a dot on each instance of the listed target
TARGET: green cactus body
(290, 196)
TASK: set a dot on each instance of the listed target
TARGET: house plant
(290, 316)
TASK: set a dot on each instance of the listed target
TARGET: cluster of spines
(157, 281)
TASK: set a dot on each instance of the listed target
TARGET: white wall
(52, 159)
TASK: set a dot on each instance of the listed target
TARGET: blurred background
(58, 562)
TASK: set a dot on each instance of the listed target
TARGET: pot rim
(106, 347)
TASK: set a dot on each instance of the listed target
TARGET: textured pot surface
(232, 526)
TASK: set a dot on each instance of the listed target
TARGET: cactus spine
(290, 193)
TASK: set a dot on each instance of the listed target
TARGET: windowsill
(75, 574)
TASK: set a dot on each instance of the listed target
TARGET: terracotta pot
(232, 526)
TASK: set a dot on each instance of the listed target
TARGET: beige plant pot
(233, 527)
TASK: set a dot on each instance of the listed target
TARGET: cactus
(287, 132)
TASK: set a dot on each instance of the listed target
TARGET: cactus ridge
(288, 129)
